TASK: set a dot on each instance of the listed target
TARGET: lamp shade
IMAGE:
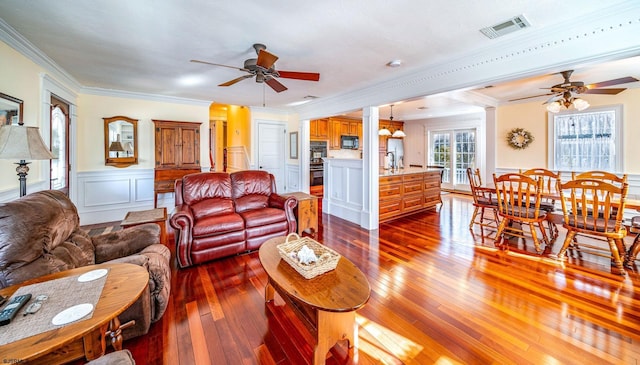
(399, 134)
(384, 132)
(22, 143)
(116, 146)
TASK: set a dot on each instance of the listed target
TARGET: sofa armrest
(182, 222)
(126, 242)
(287, 204)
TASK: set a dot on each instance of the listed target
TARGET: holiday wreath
(518, 138)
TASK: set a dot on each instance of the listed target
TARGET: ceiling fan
(263, 68)
(569, 89)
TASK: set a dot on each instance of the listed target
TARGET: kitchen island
(407, 191)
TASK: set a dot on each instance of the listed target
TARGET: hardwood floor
(439, 295)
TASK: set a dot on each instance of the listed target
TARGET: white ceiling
(144, 46)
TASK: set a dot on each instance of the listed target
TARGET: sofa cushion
(263, 217)
(251, 189)
(204, 186)
(218, 224)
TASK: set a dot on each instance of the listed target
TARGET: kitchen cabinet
(343, 127)
(319, 129)
(408, 192)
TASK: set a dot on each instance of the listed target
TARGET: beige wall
(533, 117)
(90, 136)
(21, 79)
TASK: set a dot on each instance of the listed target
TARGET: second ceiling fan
(263, 69)
(569, 89)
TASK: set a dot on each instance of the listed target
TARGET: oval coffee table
(328, 302)
(85, 338)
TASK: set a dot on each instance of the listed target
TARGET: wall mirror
(120, 141)
(10, 110)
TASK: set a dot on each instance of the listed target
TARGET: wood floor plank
(441, 294)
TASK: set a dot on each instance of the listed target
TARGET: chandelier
(567, 100)
(398, 133)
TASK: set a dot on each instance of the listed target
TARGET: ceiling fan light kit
(263, 68)
(565, 93)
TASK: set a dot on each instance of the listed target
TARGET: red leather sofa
(219, 214)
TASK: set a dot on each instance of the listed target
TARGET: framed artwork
(293, 145)
(10, 110)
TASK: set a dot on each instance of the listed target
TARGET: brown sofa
(40, 234)
(219, 214)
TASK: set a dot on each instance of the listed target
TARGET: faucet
(393, 159)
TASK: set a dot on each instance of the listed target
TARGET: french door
(455, 150)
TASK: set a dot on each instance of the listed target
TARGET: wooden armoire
(177, 147)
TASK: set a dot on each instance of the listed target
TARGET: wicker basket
(324, 264)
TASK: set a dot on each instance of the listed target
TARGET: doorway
(59, 126)
(455, 150)
(271, 151)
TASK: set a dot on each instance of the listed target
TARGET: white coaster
(92, 275)
(72, 314)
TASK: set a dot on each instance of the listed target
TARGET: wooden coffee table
(327, 303)
(85, 338)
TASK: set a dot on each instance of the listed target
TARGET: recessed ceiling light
(394, 63)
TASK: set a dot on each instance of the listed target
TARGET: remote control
(12, 308)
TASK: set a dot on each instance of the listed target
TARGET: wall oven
(316, 165)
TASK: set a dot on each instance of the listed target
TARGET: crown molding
(143, 96)
(16, 41)
(597, 37)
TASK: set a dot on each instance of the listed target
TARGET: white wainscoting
(343, 195)
(293, 179)
(107, 196)
(632, 179)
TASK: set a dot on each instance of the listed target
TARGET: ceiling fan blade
(275, 85)
(237, 79)
(612, 91)
(553, 98)
(622, 80)
(308, 76)
(530, 97)
(218, 64)
(266, 59)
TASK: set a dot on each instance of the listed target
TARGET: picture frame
(293, 145)
(11, 110)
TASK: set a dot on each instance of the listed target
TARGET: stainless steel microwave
(349, 142)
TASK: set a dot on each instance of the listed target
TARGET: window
(590, 140)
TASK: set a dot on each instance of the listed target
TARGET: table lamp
(22, 143)
(116, 146)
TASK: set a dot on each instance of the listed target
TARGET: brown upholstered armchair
(219, 214)
(40, 234)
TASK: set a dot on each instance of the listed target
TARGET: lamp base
(22, 171)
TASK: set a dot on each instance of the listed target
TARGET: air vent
(506, 27)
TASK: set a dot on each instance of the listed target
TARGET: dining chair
(588, 210)
(483, 199)
(549, 195)
(632, 254)
(519, 206)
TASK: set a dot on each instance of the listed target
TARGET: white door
(271, 151)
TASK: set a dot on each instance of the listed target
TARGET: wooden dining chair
(632, 254)
(519, 207)
(550, 191)
(588, 209)
(483, 199)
